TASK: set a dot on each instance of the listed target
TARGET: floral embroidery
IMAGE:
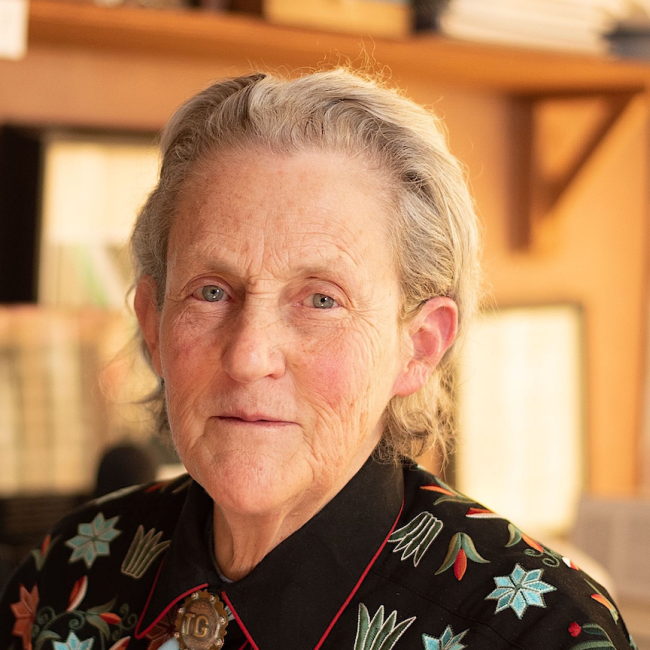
(549, 557)
(516, 536)
(143, 551)
(482, 513)
(122, 644)
(519, 590)
(40, 554)
(416, 537)
(111, 626)
(93, 539)
(25, 612)
(461, 548)
(447, 492)
(73, 643)
(570, 563)
(599, 597)
(112, 496)
(376, 634)
(78, 593)
(603, 642)
(448, 641)
(163, 631)
(102, 616)
(574, 629)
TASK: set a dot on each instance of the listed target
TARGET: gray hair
(434, 228)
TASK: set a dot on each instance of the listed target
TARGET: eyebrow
(319, 271)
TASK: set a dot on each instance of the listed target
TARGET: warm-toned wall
(596, 257)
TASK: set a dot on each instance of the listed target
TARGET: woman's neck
(241, 542)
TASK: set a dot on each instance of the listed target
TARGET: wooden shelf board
(252, 42)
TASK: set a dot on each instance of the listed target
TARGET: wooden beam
(535, 195)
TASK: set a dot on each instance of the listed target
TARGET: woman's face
(278, 338)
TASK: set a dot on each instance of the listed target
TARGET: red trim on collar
(245, 644)
(240, 622)
(139, 635)
(343, 606)
(361, 579)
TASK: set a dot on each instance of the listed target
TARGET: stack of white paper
(576, 25)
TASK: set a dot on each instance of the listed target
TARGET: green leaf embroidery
(415, 538)
(362, 627)
(515, 535)
(40, 554)
(102, 609)
(46, 635)
(605, 643)
(377, 634)
(143, 551)
(100, 624)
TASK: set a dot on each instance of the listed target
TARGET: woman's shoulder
(490, 576)
(96, 564)
(146, 504)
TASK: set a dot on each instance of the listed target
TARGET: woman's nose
(253, 348)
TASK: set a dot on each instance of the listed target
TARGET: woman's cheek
(335, 371)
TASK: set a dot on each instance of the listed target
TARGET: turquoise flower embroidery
(448, 641)
(93, 539)
(73, 643)
(519, 590)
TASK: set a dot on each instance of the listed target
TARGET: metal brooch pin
(201, 622)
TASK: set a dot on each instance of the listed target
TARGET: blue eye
(321, 301)
(213, 293)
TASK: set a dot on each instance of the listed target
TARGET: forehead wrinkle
(265, 240)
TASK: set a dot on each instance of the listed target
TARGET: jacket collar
(294, 596)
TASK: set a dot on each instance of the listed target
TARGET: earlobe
(146, 310)
(430, 333)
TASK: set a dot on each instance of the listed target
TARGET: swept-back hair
(431, 222)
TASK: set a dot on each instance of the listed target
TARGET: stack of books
(573, 25)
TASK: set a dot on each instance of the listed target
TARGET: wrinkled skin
(278, 338)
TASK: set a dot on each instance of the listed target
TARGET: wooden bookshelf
(193, 33)
(129, 68)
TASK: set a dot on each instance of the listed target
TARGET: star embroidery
(25, 612)
(448, 641)
(73, 643)
(520, 590)
(93, 539)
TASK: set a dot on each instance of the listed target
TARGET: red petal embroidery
(109, 617)
(154, 487)
(532, 543)
(46, 544)
(602, 600)
(460, 564)
(436, 488)
(574, 629)
(481, 512)
(78, 593)
(121, 644)
(25, 612)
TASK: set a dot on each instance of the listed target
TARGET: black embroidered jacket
(397, 560)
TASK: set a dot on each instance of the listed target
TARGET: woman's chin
(250, 485)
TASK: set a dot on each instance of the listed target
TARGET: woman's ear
(429, 335)
(146, 309)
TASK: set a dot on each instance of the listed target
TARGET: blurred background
(546, 103)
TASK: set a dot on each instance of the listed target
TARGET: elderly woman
(303, 269)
